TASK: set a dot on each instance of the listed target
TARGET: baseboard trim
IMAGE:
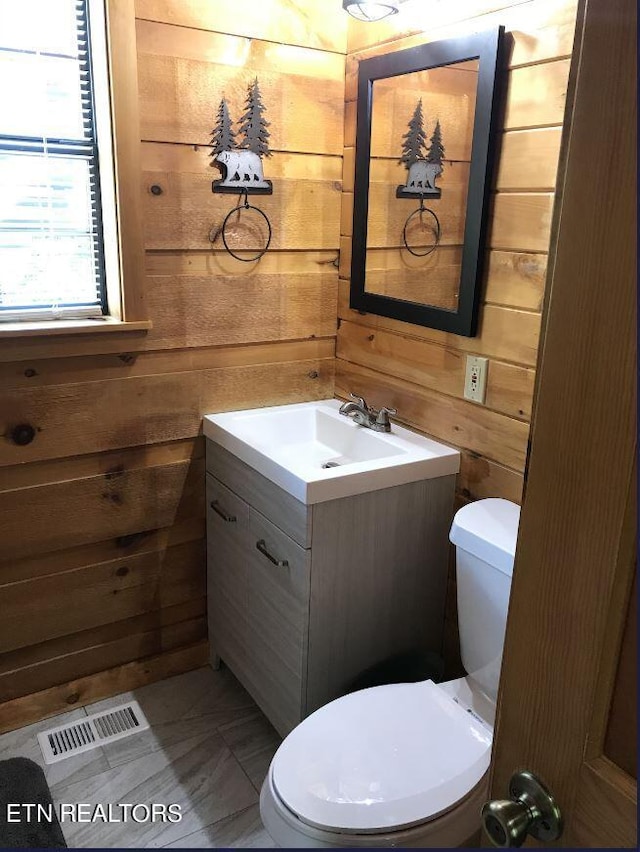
(58, 699)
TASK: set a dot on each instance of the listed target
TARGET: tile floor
(208, 750)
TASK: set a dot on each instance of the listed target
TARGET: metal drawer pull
(262, 547)
(230, 519)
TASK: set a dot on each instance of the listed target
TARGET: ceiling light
(364, 10)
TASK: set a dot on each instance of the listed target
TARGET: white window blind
(51, 247)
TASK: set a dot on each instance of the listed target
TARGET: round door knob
(506, 822)
(530, 810)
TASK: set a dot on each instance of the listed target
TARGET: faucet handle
(360, 399)
(383, 417)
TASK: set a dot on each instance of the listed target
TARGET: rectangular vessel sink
(317, 454)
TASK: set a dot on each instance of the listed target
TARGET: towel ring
(437, 232)
(223, 230)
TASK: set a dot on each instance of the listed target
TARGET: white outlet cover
(475, 382)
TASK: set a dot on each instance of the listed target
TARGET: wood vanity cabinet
(303, 599)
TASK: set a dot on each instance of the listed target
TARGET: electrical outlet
(475, 382)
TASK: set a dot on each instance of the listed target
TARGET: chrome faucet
(366, 416)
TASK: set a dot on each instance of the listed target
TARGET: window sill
(52, 328)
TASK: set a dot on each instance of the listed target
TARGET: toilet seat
(381, 759)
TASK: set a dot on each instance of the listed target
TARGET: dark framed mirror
(426, 124)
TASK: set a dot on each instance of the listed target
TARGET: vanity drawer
(287, 513)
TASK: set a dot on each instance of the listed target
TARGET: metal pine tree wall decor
(241, 162)
(223, 137)
(423, 164)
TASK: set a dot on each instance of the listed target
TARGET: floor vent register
(91, 732)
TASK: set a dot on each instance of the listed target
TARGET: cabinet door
(278, 589)
(227, 588)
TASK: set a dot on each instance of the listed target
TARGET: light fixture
(365, 10)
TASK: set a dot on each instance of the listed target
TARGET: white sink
(293, 444)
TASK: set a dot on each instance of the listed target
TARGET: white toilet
(406, 764)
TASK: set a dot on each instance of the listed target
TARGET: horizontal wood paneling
(365, 35)
(521, 221)
(30, 350)
(40, 609)
(87, 417)
(517, 221)
(171, 157)
(183, 74)
(540, 29)
(100, 464)
(96, 658)
(434, 280)
(480, 477)
(528, 159)
(302, 23)
(431, 365)
(215, 46)
(303, 210)
(516, 279)
(504, 333)
(459, 80)
(216, 262)
(74, 369)
(66, 646)
(87, 690)
(65, 514)
(41, 666)
(535, 96)
(200, 311)
(130, 544)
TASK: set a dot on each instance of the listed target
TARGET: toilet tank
(484, 534)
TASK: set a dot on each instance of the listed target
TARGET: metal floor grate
(91, 732)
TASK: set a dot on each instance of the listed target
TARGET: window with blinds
(51, 245)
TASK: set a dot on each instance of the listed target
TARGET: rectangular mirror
(424, 150)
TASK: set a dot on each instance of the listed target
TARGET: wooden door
(567, 704)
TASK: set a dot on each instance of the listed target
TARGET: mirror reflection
(421, 138)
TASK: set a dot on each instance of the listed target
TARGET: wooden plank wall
(420, 371)
(102, 566)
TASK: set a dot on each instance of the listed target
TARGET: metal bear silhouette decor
(424, 165)
(241, 162)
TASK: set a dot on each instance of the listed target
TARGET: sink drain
(330, 464)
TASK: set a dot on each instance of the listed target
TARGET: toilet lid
(381, 759)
